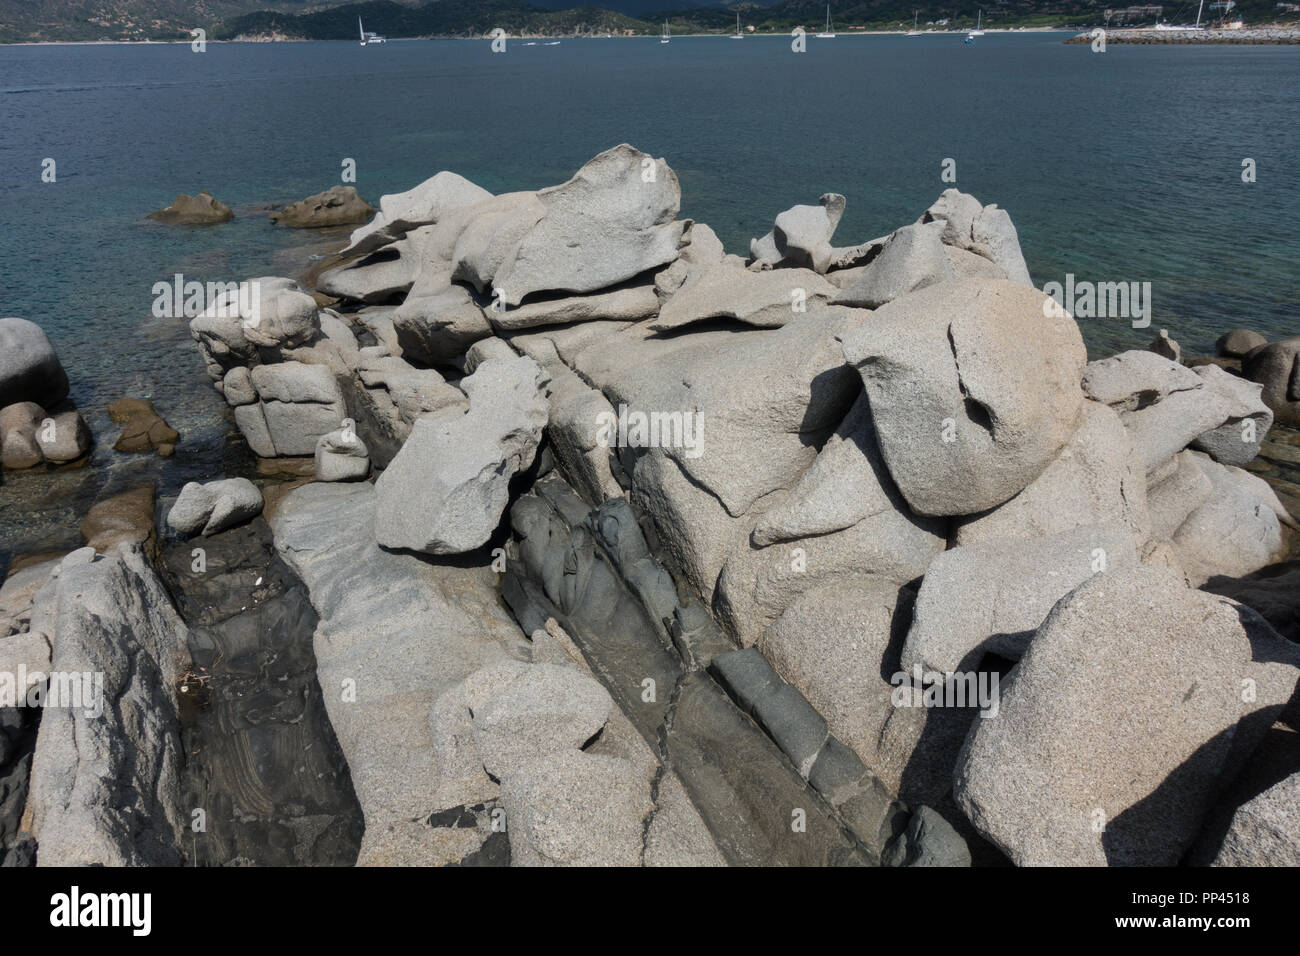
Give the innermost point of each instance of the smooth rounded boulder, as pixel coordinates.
(974, 389)
(29, 368)
(214, 506)
(1277, 367)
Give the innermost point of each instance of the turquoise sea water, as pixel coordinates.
(1121, 166)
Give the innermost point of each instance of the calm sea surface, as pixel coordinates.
(1122, 166)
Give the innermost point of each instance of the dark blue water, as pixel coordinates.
(1122, 166)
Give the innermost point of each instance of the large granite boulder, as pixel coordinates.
(913, 258)
(576, 809)
(847, 481)
(730, 291)
(801, 236)
(613, 220)
(396, 632)
(106, 776)
(1277, 368)
(438, 321)
(760, 402)
(1137, 700)
(1248, 418)
(1238, 343)
(399, 213)
(445, 491)
(1265, 830)
(627, 304)
(1235, 531)
(544, 709)
(973, 389)
(985, 230)
(990, 598)
(1167, 406)
(29, 369)
(1097, 479)
(379, 276)
(281, 314)
(701, 250)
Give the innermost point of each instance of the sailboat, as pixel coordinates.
(738, 35)
(368, 38)
(664, 38)
(977, 32)
(1199, 10)
(828, 33)
(914, 32)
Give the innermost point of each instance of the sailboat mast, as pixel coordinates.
(1198, 14)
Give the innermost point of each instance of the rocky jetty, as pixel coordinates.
(1263, 35)
(622, 550)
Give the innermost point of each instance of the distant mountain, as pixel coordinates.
(457, 18)
(124, 19)
(27, 20)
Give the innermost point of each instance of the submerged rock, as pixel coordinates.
(143, 429)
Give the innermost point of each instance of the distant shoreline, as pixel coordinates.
(514, 37)
(1135, 36)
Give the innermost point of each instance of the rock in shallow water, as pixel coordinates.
(214, 506)
(29, 368)
(198, 210)
(336, 206)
